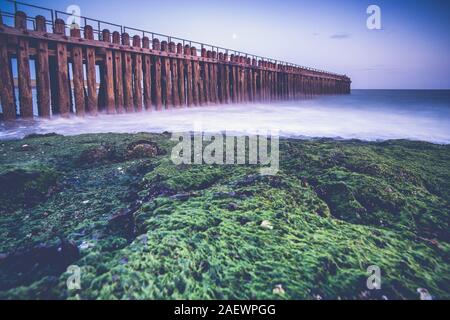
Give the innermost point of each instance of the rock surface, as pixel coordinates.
(194, 232)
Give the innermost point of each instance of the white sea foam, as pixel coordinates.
(366, 115)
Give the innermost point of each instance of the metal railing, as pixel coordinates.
(98, 26)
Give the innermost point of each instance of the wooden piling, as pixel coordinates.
(189, 77)
(181, 76)
(23, 69)
(118, 74)
(195, 77)
(156, 78)
(42, 71)
(127, 71)
(137, 75)
(107, 76)
(62, 76)
(166, 77)
(6, 82)
(91, 77)
(78, 74)
(226, 78)
(147, 79)
(174, 70)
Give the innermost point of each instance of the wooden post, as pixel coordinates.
(174, 70)
(137, 68)
(249, 80)
(189, 77)
(208, 72)
(62, 71)
(118, 74)
(205, 75)
(181, 76)
(221, 78)
(23, 69)
(196, 77)
(214, 77)
(92, 102)
(234, 80)
(107, 76)
(166, 77)
(226, 78)
(156, 79)
(6, 82)
(42, 71)
(78, 74)
(147, 67)
(127, 72)
(254, 80)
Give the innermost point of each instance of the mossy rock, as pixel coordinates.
(25, 185)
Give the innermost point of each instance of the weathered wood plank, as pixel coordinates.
(189, 77)
(108, 76)
(226, 78)
(78, 74)
(147, 79)
(23, 70)
(118, 75)
(6, 82)
(127, 72)
(91, 77)
(195, 78)
(62, 75)
(137, 75)
(206, 79)
(174, 70)
(156, 78)
(42, 72)
(181, 76)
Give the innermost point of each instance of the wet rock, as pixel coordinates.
(142, 149)
(25, 186)
(39, 135)
(223, 195)
(23, 267)
(26, 147)
(123, 223)
(183, 196)
(97, 154)
(232, 206)
(86, 245)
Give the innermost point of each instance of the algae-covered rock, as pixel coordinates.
(149, 229)
(25, 184)
(142, 149)
(97, 154)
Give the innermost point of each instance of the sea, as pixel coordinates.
(372, 115)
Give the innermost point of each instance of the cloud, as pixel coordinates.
(341, 35)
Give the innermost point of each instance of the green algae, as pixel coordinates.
(194, 231)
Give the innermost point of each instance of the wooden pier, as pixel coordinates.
(136, 72)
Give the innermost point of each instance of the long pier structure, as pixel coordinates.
(103, 67)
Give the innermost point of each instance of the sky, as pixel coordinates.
(410, 51)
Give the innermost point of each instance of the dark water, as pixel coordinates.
(365, 114)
